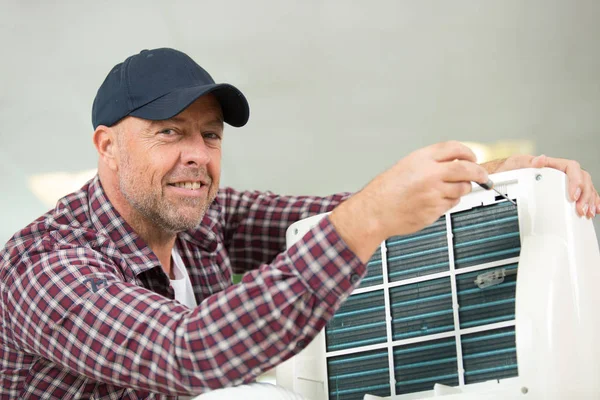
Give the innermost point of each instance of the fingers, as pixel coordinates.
(576, 180)
(454, 191)
(581, 188)
(450, 204)
(589, 197)
(450, 151)
(463, 171)
(569, 167)
(457, 176)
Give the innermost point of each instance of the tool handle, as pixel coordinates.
(489, 185)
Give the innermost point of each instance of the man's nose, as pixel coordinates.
(195, 151)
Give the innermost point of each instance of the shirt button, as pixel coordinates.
(300, 344)
(354, 278)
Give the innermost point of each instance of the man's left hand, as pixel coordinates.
(581, 187)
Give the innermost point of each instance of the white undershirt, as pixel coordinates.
(182, 284)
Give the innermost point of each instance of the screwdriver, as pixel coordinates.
(489, 185)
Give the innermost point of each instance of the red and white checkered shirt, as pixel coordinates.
(87, 311)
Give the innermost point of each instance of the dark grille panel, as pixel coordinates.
(489, 305)
(354, 375)
(374, 271)
(480, 235)
(421, 365)
(359, 322)
(490, 355)
(422, 253)
(422, 308)
(485, 234)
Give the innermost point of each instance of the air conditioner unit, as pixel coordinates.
(492, 301)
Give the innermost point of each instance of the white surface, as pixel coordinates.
(182, 285)
(255, 391)
(557, 322)
(338, 90)
(304, 373)
(509, 389)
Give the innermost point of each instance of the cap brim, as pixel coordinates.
(233, 103)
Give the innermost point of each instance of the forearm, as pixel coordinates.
(508, 164)
(356, 225)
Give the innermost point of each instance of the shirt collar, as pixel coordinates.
(107, 221)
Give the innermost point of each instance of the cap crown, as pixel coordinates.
(143, 78)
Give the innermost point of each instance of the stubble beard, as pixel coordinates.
(159, 211)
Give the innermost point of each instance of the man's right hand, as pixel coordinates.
(408, 197)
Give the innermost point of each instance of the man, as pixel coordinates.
(124, 289)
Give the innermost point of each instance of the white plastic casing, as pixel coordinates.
(557, 304)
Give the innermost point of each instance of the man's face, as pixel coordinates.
(169, 170)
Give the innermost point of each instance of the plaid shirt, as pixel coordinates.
(87, 311)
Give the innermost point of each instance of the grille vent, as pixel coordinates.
(359, 322)
(422, 253)
(351, 376)
(419, 366)
(423, 326)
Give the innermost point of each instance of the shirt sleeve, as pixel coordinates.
(255, 223)
(72, 307)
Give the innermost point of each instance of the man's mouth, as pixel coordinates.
(188, 185)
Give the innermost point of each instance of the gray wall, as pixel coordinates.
(339, 90)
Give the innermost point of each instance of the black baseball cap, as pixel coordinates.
(158, 84)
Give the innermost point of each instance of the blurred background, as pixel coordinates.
(338, 90)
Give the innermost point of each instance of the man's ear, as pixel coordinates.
(105, 140)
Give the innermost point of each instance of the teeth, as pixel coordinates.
(188, 185)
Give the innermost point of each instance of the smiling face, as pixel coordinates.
(168, 171)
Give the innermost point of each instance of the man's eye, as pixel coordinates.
(167, 132)
(211, 135)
